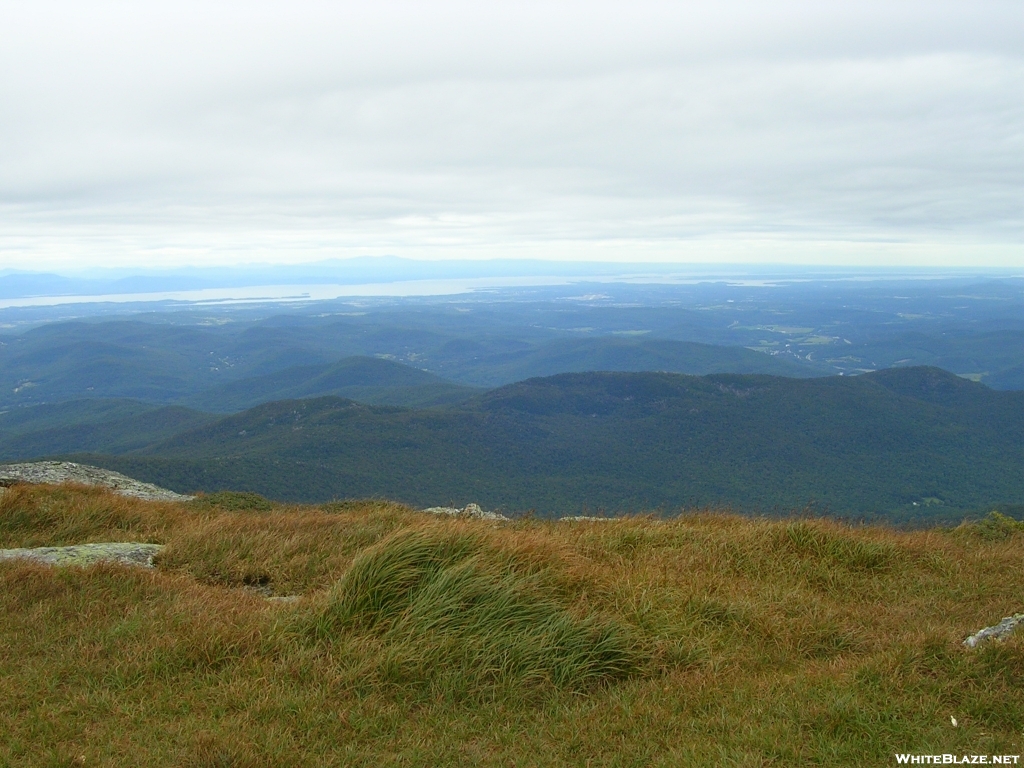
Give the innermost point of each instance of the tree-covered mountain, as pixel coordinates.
(994, 357)
(913, 442)
(624, 353)
(366, 379)
(107, 426)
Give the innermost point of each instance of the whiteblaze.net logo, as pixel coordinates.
(904, 759)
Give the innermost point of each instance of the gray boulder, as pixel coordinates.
(56, 472)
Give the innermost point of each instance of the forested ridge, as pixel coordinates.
(900, 444)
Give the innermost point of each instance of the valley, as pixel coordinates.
(883, 399)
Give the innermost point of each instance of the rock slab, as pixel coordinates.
(1000, 631)
(56, 472)
(470, 510)
(127, 553)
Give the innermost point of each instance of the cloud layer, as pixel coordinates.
(242, 132)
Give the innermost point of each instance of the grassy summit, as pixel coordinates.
(705, 640)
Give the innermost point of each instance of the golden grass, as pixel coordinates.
(705, 640)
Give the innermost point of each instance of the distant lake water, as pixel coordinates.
(324, 292)
(257, 294)
(289, 293)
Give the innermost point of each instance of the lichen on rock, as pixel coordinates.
(56, 472)
(470, 510)
(1000, 631)
(127, 553)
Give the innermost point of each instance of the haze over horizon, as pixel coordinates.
(236, 134)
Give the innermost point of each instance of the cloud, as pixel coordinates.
(234, 132)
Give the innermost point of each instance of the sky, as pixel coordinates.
(218, 133)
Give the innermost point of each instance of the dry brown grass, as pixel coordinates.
(733, 641)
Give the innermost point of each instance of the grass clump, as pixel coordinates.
(36, 516)
(836, 550)
(235, 501)
(459, 615)
(993, 527)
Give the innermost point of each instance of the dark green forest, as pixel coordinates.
(911, 444)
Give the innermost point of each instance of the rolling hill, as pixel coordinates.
(902, 443)
(109, 426)
(366, 379)
(224, 368)
(623, 353)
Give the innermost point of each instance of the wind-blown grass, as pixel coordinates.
(459, 613)
(705, 640)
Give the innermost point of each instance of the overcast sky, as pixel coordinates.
(145, 134)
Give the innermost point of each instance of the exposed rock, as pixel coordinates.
(56, 472)
(1000, 631)
(267, 593)
(470, 510)
(128, 553)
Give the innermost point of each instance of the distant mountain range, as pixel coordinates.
(229, 369)
(912, 443)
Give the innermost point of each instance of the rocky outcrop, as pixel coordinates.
(126, 553)
(1000, 631)
(470, 510)
(56, 472)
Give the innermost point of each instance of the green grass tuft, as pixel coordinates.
(459, 615)
(236, 501)
(809, 540)
(994, 527)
